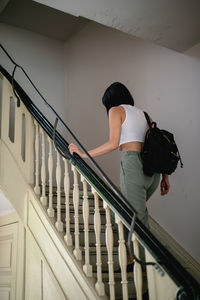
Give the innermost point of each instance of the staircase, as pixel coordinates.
(92, 245)
(77, 225)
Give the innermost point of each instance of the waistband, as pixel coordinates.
(131, 153)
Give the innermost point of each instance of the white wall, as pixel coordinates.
(44, 61)
(164, 83)
(42, 58)
(5, 205)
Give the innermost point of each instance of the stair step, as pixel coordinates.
(71, 207)
(90, 201)
(63, 192)
(81, 221)
(104, 258)
(91, 214)
(103, 249)
(118, 286)
(92, 237)
(131, 285)
(90, 195)
(91, 227)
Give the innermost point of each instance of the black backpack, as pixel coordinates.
(160, 153)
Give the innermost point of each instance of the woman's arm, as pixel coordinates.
(115, 121)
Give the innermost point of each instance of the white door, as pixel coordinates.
(8, 258)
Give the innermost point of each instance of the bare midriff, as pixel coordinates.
(132, 146)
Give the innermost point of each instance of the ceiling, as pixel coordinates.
(41, 19)
(174, 24)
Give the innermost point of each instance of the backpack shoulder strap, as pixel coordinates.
(147, 118)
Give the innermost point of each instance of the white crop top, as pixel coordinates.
(134, 127)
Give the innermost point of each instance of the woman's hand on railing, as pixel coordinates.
(75, 149)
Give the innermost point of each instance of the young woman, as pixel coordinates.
(127, 128)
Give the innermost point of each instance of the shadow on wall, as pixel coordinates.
(194, 52)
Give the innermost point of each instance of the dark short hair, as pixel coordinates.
(115, 95)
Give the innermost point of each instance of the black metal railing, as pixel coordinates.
(188, 286)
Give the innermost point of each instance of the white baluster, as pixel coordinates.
(59, 223)
(77, 251)
(97, 226)
(43, 198)
(37, 152)
(30, 148)
(137, 269)
(50, 210)
(122, 258)
(67, 237)
(87, 268)
(109, 245)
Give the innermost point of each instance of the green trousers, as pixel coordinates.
(135, 185)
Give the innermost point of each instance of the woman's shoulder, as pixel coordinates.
(131, 108)
(125, 107)
(116, 109)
